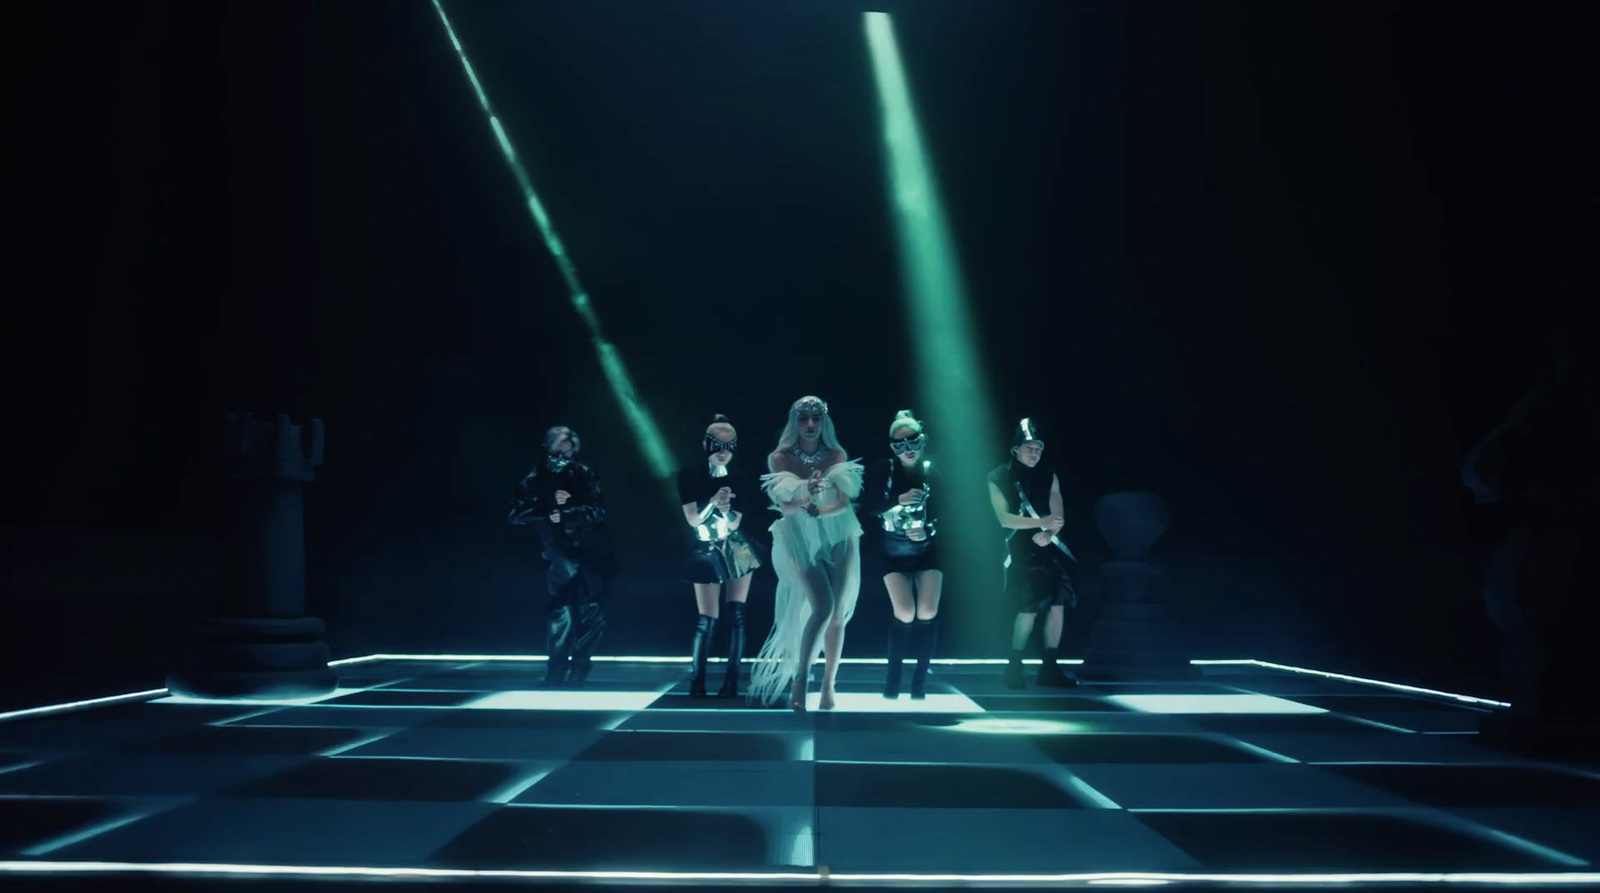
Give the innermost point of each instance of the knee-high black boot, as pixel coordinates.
(924, 636)
(704, 628)
(899, 640)
(730, 681)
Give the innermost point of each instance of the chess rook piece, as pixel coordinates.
(1135, 637)
(261, 645)
(1537, 472)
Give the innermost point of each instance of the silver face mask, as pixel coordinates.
(907, 445)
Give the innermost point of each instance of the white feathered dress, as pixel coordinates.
(800, 541)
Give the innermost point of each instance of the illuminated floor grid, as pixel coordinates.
(464, 766)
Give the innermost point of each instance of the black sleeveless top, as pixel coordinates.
(1035, 484)
(695, 484)
(888, 479)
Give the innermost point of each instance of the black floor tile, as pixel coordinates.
(344, 778)
(361, 680)
(1047, 704)
(521, 719)
(147, 713)
(344, 717)
(388, 697)
(827, 721)
(1153, 688)
(13, 759)
(528, 837)
(936, 787)
(1457, 786)
(304, 740)
(28, 822)
(874, 686)
(1362, 705)
(1110, 748)
(1289, 685)
(680, 700)
(477, 682)
(683, 747)
(533, 670)
(1331, 842)
(1315, 723)
(526, 682)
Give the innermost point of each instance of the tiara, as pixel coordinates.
(816, 403)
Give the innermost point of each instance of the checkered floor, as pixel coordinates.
(468, 765)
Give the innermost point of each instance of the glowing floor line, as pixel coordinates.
(798, 878)
(1412, 689)
(536, 658)
(674, 659)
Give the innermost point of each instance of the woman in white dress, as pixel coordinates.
(816, 552)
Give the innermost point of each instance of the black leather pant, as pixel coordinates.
(577, 616)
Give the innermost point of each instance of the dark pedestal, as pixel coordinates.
(261, 645)
(1539, 592)
(1135, 637)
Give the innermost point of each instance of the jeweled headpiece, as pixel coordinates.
(816, 404)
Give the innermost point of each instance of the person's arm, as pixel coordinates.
(588, 507)
(736, 485)
(845, 497)
(775, 465)
(525, 506)
(1006, 518)
(691, 514)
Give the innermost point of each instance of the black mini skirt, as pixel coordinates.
(906, 556)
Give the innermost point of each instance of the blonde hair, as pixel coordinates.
(791, 431)
(904, 419)
(721, 426)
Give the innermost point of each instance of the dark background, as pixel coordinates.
(1282, 263)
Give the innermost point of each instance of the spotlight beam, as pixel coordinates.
(616, 372)
(951, 377)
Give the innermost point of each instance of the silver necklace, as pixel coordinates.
(812, 460)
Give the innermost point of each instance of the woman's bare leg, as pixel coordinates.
(706, 597)
(930, 585)
(901, 599)
(739, 590)
(840, 572)
(815, 585)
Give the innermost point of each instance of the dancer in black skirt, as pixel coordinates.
(899, 493)
(1036, 578)
(720, 560)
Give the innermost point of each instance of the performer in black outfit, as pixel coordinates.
(899, 492)
(1027, 502)
(561, 499)
(720, 561)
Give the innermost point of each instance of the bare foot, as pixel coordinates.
(797, 696)
(826, 701)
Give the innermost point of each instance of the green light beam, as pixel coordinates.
(616, 372)
(950, 370)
